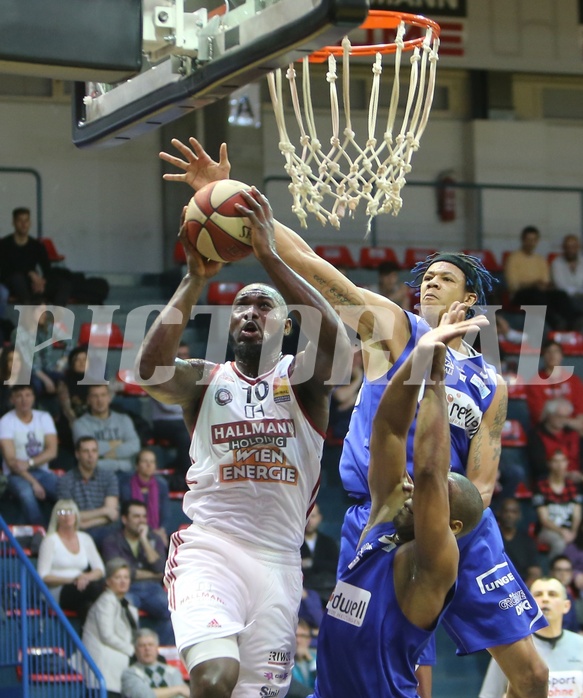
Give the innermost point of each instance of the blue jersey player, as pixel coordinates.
(389, 599)
(477, 409)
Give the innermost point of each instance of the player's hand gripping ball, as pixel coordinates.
(213, 224)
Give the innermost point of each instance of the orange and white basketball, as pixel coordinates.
(214, 225)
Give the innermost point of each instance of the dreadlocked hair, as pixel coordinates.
(478, 278)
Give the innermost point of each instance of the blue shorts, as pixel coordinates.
(492, 605)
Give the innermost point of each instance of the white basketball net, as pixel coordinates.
(348, 172)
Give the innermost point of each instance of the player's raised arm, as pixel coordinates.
(344, 296)
(333, 346)
(160, 346)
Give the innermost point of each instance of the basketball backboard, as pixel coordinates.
(196, 53)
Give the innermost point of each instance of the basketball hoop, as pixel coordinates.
(349, 172)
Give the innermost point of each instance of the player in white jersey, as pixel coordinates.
(386, 333)
(234, 576)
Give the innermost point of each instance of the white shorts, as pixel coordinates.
(218, 587)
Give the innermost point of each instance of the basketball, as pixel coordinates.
(214, 225)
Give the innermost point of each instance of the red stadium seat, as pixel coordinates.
(516, 388)
(223, 292)
(571, 342)
(551, 256)
(416, 254)
(523, 491)
(49, 245)
(172, 657)
(513, 434)
(128, 379)
(487, 258)
(338, 255)
(373, 257)
(179, 255)
(102, 335)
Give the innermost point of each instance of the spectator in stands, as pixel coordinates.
(342, 403)
(574, 551)
(561, 568)
(68, 561)
(148, 677)
(112, 624)
(519, 546)
(116, 436)
(391, 287)
(14, 371)
(28, 440)
(35, 328)
(145, 486)
(25, 268)
(94, 490)
(304, 669)
(319, 557)
(145, 553)
(561, 649)
(566, 387)
(551, 434)
(528, 281)
(168, 424)
(567, 271)
(558, 506)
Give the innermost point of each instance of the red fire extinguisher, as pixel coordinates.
(446, 196)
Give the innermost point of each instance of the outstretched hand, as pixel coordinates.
(199, 168)
(453, 325)
(259, 213)
(196, 263)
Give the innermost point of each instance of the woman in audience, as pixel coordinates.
(13, 372)
(145, 486)
(68, 561)
(111, 626)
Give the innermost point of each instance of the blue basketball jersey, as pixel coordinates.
(476, 619)
(366, 646)
(355, 451)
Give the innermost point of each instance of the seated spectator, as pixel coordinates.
(168, 425)
(518, 545)
(145, 553)
(145, 486)
(311, 609)
(390, 286)
(553, 434)
(36, 327)
(304, 670)
(115, 433)
(565, 387)
(528, 281)
(13, 371)
(28, 440)
(149, 678)
(562, 569)
(567, 271)
(111, 627)
(68, 561)
(95, 491)
(25, 268)
(558, 506)
(319, 557)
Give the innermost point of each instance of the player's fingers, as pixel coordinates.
(184, 149)
(173, 160)
(173, 177)
(223, 155)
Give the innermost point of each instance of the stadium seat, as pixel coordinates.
(513, 434)
(373, 257)
(49, 246)
(179, 255)
(571, 342)
(551, 256)
(49, 665)
(338, 255)
(172, 657)
(223, 292)
(523, 491)
(127, 378)
(416, 254)
(516, 388)
(102, 335)
(487, 258)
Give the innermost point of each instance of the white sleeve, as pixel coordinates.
(47, 423)
(495, 682)
(5, 431)
(46, 554)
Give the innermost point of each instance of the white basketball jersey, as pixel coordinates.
(255, 459)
